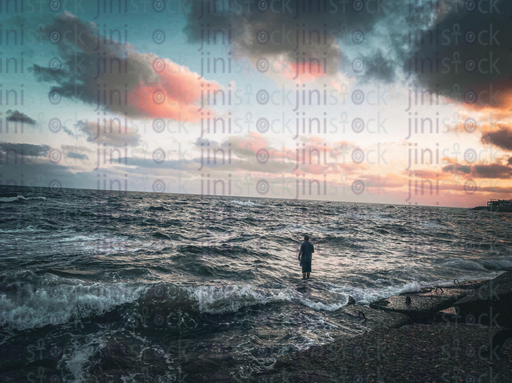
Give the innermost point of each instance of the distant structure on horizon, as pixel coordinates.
(500, 205)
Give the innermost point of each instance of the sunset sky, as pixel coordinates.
(400, 103)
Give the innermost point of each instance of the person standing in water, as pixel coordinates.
(305, 256)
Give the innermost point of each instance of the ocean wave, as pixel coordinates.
(434, 224)
(210, 248)
(497, 264)
(366, 295)
(411, 287)
(460, 263)
(19, 198)
(231, 298)
(160, 235)
(157, 208)
(55, 301)
(28, 229)
(80, 238)
(325, 306)
(379, 217)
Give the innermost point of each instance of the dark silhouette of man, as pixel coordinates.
(305, 256)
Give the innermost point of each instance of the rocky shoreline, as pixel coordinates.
(457, 333)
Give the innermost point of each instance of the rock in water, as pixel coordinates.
(501, 337)
(490, 304)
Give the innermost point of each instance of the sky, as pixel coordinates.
(382, 101)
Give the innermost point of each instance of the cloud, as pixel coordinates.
(24, 150)
(501, 138)
(299, 33)
(132, 83)
(422, 173)
(480, 171)
(157, 164)
(201, 142)
(377, 66)
(15, 116)
(448, 48)
(249, 144)
(111, 134)
(215, 163)
(496, 189)
(491, 171)
(78, 156)
(384, 181)
(254, 152)
(68, 131)
(469, 53)
(76, 148)
(456, 168)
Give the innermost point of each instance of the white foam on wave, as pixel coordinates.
(378, 217)
(77, 362)
(8, 199)
(432, 225)
(325, 306)
(411, 287)
(231, 298)
(19, 198)
(367, 295)
(81, 238)
(61, 300)
(23, 306)
(245, 203)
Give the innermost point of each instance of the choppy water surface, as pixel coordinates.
(154, 286)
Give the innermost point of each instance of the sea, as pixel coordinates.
(146, 287)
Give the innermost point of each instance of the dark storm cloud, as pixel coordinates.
(75, 71)
(492, 171)
(438, 37)
(496, 170)
(15, 116)
(113, 76)
(501, 138)
(25, 150)
(476, 41)
(280, 28)
(376, 66)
